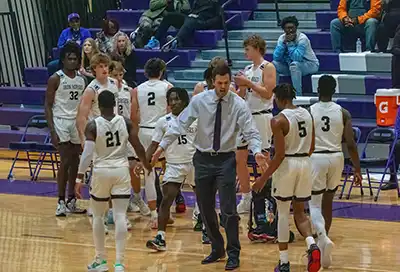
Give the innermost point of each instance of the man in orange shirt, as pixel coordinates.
(356, 17)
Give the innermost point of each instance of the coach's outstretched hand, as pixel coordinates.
(156, 155)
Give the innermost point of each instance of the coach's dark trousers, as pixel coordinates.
(214, 173)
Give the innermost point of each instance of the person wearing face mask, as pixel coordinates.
(74, 33)
(293, 56)
(123, 52)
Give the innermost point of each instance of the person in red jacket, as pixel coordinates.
(357, 18)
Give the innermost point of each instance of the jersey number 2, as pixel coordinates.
(302, 129)
(182, 140)
(120, 109)
(150, 99)
(73, 95)
(327, 123)
(112, 139)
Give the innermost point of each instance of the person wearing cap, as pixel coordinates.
(74, 33)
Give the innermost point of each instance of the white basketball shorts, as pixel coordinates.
(146, 136)
(263, 124)
(179, 173)
(292, 180)
(326, 171)
(110, 183)
(66, 130)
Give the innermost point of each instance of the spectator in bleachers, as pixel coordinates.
(105, 38)
(74, 33)
(294, 55)
(122, 51)
(89, 49)
(151, 18)
(205, 14)
(390, 21)
(356, 18)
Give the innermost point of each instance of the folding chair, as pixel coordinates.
(382, 136)
(348, 167)
(29, 148)
(47, 156)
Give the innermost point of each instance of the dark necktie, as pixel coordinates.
(217, 127)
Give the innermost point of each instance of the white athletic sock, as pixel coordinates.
(98, 209)
(149, 185)
(310, 241)
(283, 221)
(120, 206)
(162, 233)
(196, 209)
(284, 256)
(316, 215)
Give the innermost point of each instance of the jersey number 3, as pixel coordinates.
(112, 139)
(151, 97)
(327, 123)
(302, 129)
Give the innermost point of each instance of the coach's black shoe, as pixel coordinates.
(204, 238)
(158, 243)
(282, 267)
(213, 257)
(232, 264)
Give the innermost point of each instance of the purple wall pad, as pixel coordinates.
(341, 209)
(372, 83)
(22, 95)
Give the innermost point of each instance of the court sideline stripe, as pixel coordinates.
(175, 252)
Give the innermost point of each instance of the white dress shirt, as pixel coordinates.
(235, 115)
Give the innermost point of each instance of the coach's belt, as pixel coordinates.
(147, 127)
(297, 155)
(214, 154)
(326, 152)
(262, 112)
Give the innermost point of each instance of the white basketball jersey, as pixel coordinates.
(328, 123)
(181, 150)
(68, 95)
(111, 143)
(124, 101)
(254, 101)
(299, 138)
(152, 99)
(98, 88)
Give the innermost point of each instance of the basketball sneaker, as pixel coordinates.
(132, 207)
(73, 208)
(158, 243)
(326, 246)
(180, 204)
(119, 268)
(259, 234)
(199, 224)
(98, 266)
(61, 208)
(314, 258)
(282, 267)
(143, 208)
(204, 237)
(244, 205)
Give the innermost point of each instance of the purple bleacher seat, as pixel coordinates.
(359, 107)
(8, 136)
(320, 40)
(372, 83)
(17, 116)
(184, 59)
(238, 21)
(324, 19)
(22, 95)
(36, 76)
(328, 61)
(334, 4)
(135, 4)
(126, 18)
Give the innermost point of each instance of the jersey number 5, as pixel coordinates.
(302, 129)
(151, 96)
(73, 95)
(327, 123)
(112, 139)
(182, 140)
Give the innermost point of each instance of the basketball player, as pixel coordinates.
(179, 156)
(107, 138)
(124, 103)
(332, 124)
(64, 89)
(150, 104)
(255, 86)
(290, 169)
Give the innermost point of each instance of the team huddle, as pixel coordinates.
(125, 131)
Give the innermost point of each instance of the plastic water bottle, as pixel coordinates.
(358, 46)
(22, 106)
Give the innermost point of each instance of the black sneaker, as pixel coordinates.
(282, 267)
(157, 243)
(199, 224)
(259, 234)
(204, 238)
